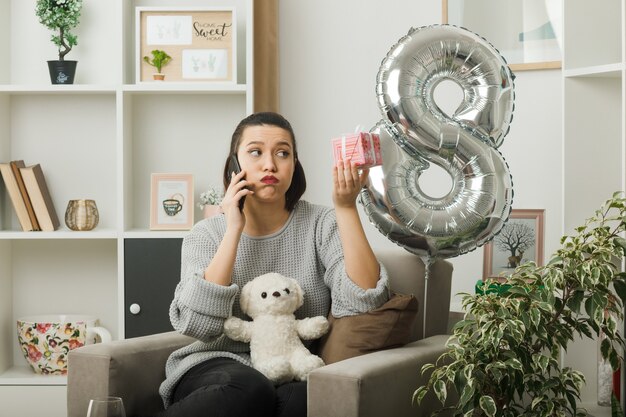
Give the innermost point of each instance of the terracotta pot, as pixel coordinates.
(158, 77)
(210, 211)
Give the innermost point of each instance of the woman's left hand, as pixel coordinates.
(347, 183)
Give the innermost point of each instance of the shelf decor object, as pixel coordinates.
(171, 202)
(61, 16)
(519, 242)
(45, 340)
(159, 59)
(40, 198)
(526, 32)
(201, 42)
(14, 184)
(81, 215)
(210, 202)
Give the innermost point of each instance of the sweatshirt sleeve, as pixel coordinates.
(199, 307)
(347, 297)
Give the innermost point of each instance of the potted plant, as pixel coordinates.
(209, 202)
(61, 16)
(503, 357)
(159, 59)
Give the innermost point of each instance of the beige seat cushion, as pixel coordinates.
(385, 327)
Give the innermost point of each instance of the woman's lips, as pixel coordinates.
(269, 180)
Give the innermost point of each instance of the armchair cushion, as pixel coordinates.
(385, 327)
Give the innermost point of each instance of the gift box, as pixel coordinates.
(363, 148)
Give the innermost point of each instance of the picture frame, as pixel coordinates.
(171, 201)
(525, 230)
(526, 32)
(201, 41)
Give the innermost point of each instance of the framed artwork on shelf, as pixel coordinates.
(526, 32)
(519, 241)
(202, 43)
(171, 202)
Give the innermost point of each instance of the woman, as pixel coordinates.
(325, 250)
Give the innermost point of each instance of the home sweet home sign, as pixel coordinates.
(201, 42)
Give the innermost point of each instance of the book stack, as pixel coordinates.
(27, 189)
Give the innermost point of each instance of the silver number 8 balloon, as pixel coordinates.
(415, 133)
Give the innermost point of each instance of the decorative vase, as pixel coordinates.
(62, 72)
(605, 378)
(210, 211)
(81, 215)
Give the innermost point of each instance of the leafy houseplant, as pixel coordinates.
(502, 359)
(61, 16)
(159, 59)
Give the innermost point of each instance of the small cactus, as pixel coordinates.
(159, 58)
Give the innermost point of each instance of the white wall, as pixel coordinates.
(330, 52)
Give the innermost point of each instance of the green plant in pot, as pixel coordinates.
(159, 59)
(503, 357)
(210, 201)
(61, 16)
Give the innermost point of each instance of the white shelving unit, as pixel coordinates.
(100, 138)
(594, 129)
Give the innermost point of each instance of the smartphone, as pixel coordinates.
(236, 168)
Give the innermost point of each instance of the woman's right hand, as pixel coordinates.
(230, 203)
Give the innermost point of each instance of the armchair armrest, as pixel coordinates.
(132, 369)
(377, 384)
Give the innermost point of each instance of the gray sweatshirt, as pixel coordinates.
(306, 248)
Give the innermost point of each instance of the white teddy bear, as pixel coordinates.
(274, 334)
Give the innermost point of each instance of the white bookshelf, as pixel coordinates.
(61, 234)
(594, 132)
(100, 138)
(596, 71)
(23, 375)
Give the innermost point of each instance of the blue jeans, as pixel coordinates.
(223, 387)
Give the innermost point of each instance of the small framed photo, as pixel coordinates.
(202, 43)
(171, 202)
(519, 241)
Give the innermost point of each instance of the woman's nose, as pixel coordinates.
(269, 164)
